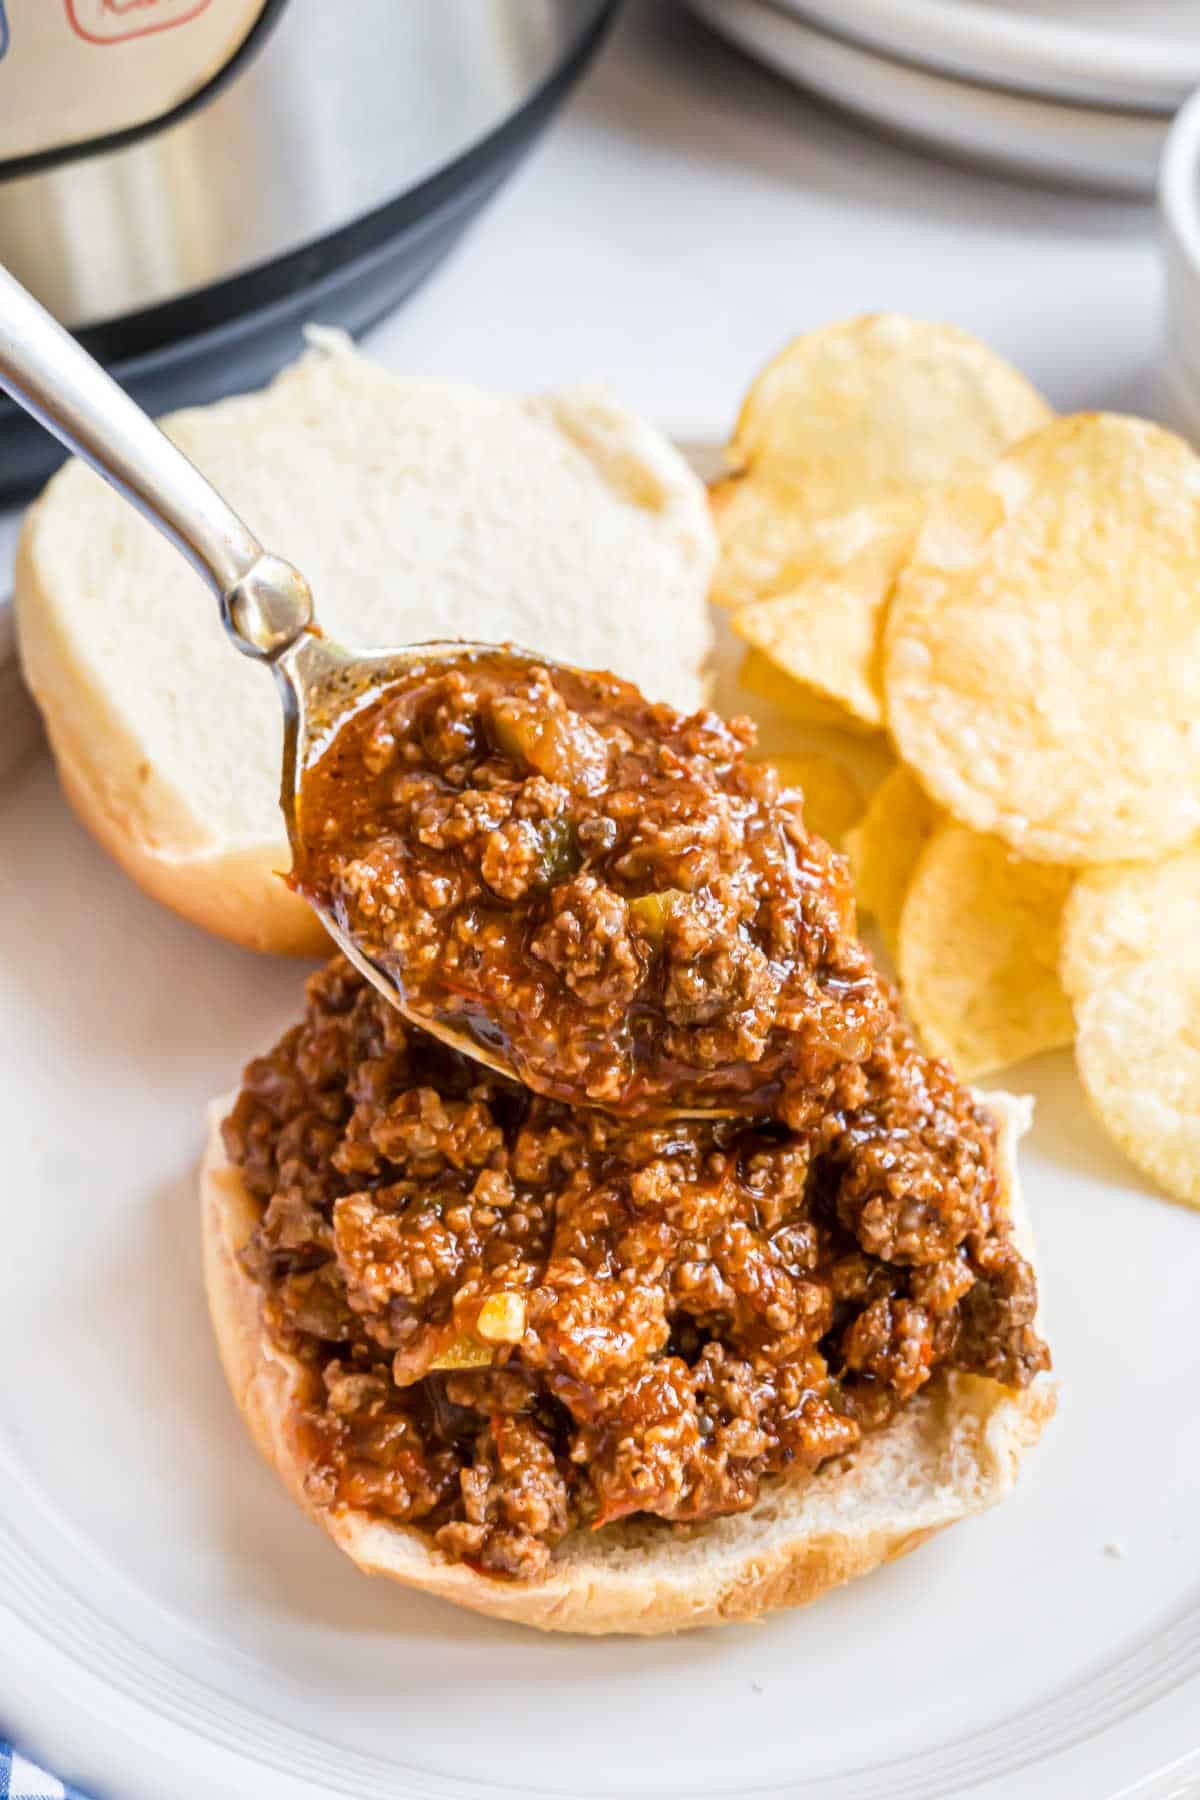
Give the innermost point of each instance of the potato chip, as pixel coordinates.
(1042, 656)
(1133, 913)
(760, 677)
(884, 849)
(824, 629)
(1139, 1060)
(833, 800)
(850, 417)
(768, 543)
(1131, 964)
(978, 956)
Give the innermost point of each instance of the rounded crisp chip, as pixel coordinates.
(979, 946)
(1134, 913)
(824, 628)
(759, 676)
(884, 849)
(833, 800)
(1131, 964)
(1042, 647)
(853, 416)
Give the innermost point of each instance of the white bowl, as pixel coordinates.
(1179, 217)
(1143, 54)
(1116, 152)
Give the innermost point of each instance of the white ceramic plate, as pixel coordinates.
(171, 1626)
(1088, 146)
(1141, 54)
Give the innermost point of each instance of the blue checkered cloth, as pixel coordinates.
(21, 1780)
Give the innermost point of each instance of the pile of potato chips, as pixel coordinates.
(914, 544)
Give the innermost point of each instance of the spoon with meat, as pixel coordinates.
(568, 883)
(603, 893)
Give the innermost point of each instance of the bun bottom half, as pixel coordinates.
(954, 1450)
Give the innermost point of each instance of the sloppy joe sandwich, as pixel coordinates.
(724, 1297)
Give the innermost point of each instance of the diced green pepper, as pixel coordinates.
(650, 913)
(560, 851)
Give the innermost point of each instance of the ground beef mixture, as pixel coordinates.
(603, 890)
(522, 1317)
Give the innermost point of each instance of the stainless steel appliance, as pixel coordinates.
(186, 182)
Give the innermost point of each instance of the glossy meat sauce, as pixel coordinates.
(522, 1313)
(604, 890)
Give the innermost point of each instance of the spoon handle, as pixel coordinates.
(265, 603)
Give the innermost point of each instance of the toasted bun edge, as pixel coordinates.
(143, 823)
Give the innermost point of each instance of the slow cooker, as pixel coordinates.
(185, 183)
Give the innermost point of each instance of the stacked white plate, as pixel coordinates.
(1074, 91)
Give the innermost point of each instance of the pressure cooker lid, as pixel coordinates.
(301, 117)
(77, 73)
(319, 176)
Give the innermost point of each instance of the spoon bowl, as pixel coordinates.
(322, 684)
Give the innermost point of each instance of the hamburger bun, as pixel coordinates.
(953, 1450)
(417, 509)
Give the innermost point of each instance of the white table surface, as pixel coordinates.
(689, 212)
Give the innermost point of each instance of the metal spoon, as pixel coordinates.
(266, 605)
